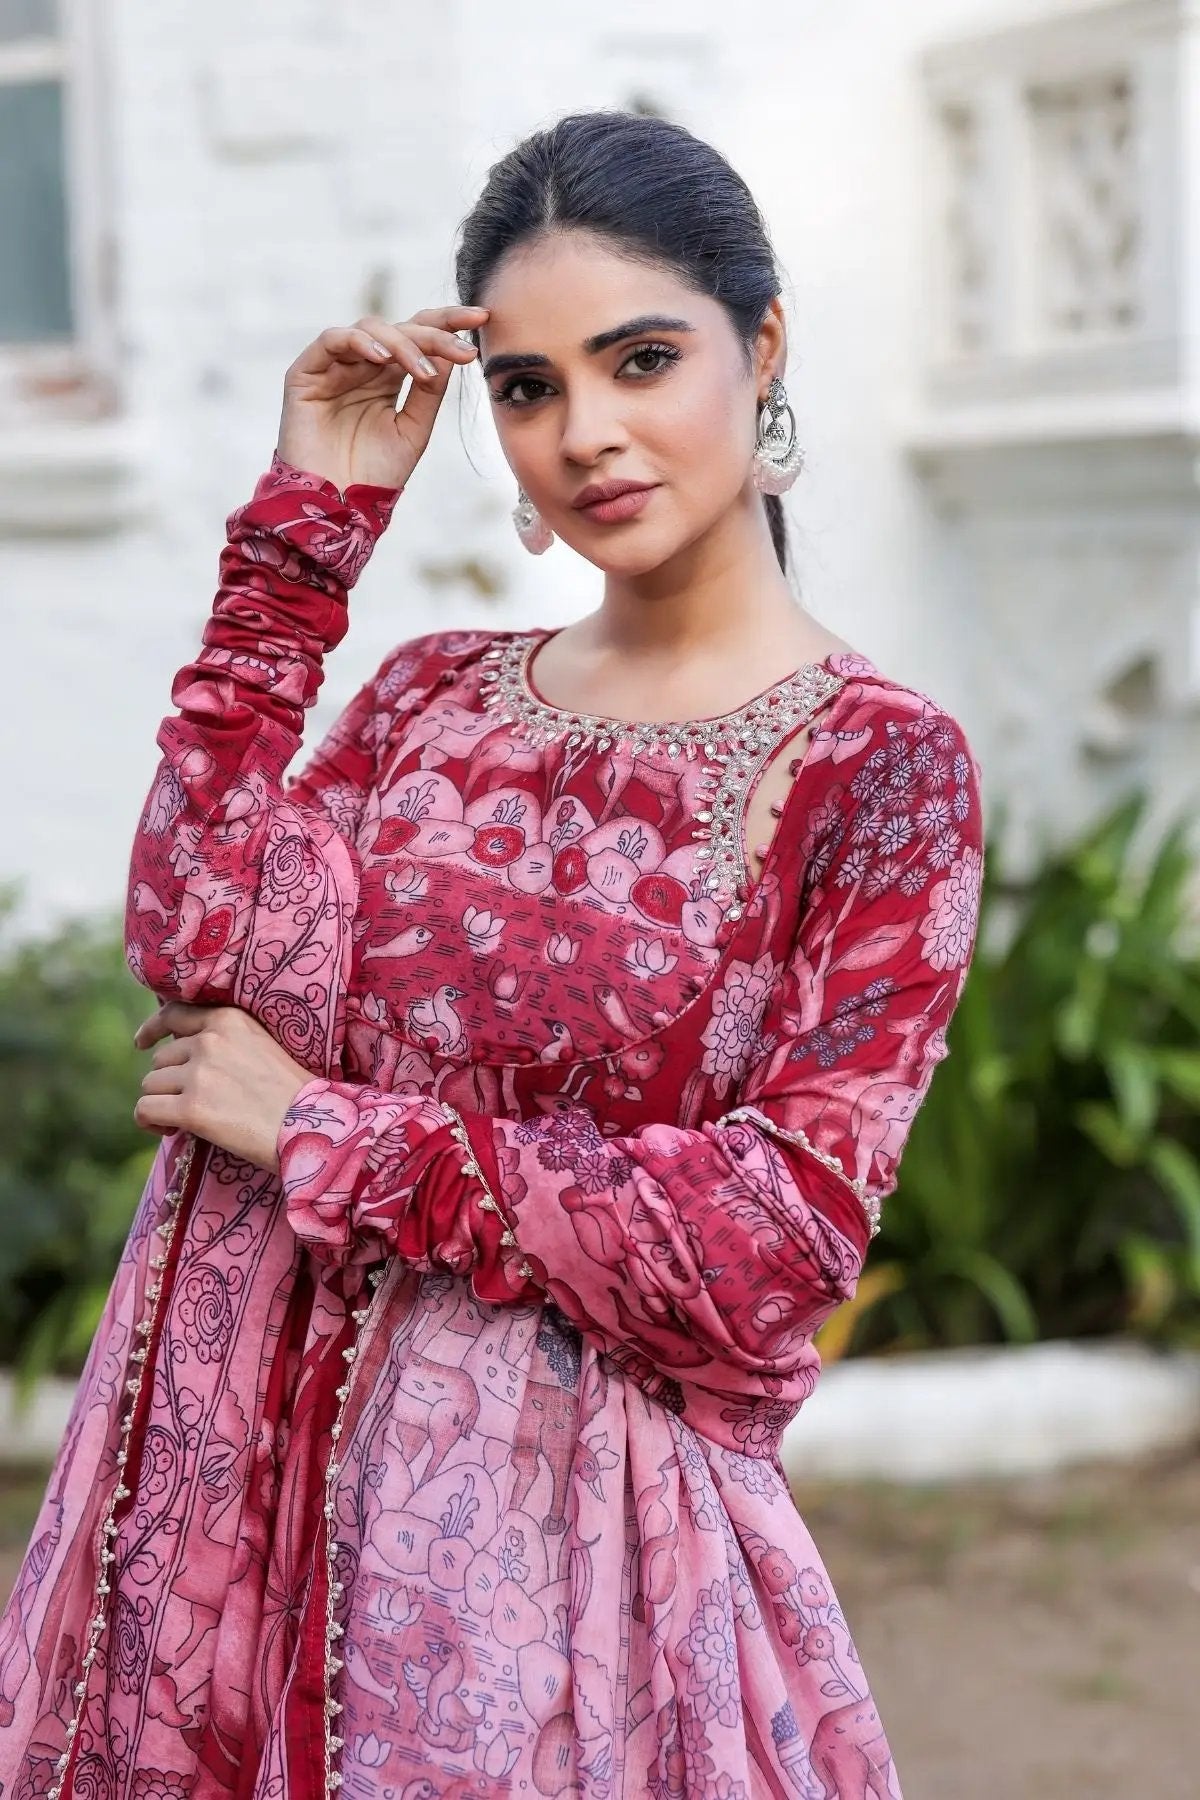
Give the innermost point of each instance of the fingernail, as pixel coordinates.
(379, 349)
(425, 366)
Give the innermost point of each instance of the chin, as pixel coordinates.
(629, 568)
(639, 556)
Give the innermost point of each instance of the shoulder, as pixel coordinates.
(892, 788)
(876, 722)
(425, 658)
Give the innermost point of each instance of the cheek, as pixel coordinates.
(529, 445)
(706, 463)
(703, 446)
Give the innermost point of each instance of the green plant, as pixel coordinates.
(72, 1161)
(1051, 1183)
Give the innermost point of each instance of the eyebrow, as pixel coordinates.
(604, 340)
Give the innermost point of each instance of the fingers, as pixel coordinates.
(159, 1108)
(175, 1018)
(384, 345)
(162, 1114)
(411, 344)
(167, 1080)
(453, 317)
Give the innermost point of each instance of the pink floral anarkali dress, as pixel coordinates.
(446, 1461)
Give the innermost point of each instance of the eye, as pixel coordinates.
(662, 354)
(505, 395)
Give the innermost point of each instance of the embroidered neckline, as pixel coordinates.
(736, 744)
(507, 683)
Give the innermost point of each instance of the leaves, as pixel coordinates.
(882, 946)
(72, 1161)
(1177, 1169)
(1051, 1181)
(834, 1337)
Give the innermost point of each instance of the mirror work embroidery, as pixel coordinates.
(736, 745)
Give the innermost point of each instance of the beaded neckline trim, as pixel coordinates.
(737, 745)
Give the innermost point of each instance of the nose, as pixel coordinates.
(591, 426)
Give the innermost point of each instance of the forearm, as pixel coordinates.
(368, 1175)
(205, 833)
(293, 552)
(704, 1250)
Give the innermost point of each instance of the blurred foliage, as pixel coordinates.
(1050, 1186)
(72, 1161)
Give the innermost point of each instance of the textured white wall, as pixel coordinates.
(272, 163)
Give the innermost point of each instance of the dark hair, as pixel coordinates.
(660, 194)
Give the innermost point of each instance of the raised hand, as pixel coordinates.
(339, 417)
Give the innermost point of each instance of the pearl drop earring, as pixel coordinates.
(778, 458)
(532, 529)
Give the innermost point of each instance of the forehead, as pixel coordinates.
(565, 287)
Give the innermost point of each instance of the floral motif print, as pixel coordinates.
(949, 927)
(205, 1314)
(709, 1652)
(731, 1037)
(470, 1418)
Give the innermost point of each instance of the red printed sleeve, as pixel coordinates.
(708, 1254)
(220, 822)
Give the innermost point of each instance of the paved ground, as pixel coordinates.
(1036, 1640)
(1028, 1641)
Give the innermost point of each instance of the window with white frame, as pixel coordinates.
(55, 242)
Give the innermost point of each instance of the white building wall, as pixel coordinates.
(284, 166)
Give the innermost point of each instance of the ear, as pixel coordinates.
(770, 346)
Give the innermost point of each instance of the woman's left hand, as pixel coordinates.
(221, 1076)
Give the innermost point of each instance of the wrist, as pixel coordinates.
(336, 531)
(504, 1271)
(375, 500)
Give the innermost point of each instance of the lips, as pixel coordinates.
(628, 505)
(609, 490)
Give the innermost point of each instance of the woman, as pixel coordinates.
(530, 1071)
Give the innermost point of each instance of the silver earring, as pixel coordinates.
(778, 458)
(532, 529)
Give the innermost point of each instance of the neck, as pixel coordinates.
(709, 598)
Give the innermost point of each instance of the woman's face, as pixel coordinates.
(670, 402)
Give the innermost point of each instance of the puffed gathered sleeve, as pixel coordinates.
(707, 1254)
(242, 881)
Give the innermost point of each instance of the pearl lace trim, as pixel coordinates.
(869, 1202)
(737, 745)
(333, 1587)
(470, 1166)
(109, 1528)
